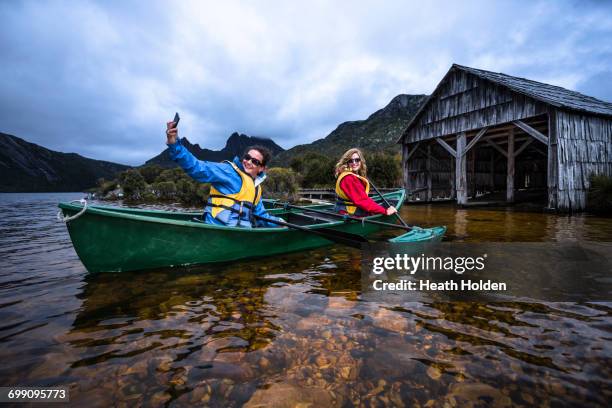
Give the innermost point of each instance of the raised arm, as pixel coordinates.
(199, 170)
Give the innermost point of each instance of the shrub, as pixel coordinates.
(599, 197)
(384, 170)
(185, 189)
(150, 172)
(297, 164)
(202, 192)
(317, 170)
(104, 187)
(174, 175)
(281, 183)
(133, 184)
(165, 189)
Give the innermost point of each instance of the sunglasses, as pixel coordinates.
(351, 161)
(253, 160)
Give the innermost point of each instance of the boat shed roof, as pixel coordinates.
(554, 95)
(550, 94)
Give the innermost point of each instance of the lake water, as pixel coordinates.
(292, 328)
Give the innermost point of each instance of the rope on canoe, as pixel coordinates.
(67, 218)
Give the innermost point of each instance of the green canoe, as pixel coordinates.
(114, 239)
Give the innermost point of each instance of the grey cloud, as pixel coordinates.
(101, 78)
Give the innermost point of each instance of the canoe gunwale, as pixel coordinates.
(110, 211)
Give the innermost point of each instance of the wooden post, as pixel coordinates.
(472, 166)
(428, 175)
(452, 178)
(552, 165)
(510, 173)
(405, 165)
(461, 170)
(492, 169)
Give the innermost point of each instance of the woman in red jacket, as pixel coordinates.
(352, 187)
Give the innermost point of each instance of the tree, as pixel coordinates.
(297, 164)
(384, 169)
(281, 183)
(317, 170)
(150, 172)
(165, 189)
(172, 175)
(133, 184)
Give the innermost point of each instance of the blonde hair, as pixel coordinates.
(342, 164)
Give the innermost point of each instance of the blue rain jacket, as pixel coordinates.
(222, 176)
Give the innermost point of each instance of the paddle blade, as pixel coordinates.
(421, 235)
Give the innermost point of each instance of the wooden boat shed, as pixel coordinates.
(484, 133)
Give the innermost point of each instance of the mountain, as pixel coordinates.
(378, 132)
(28, 167)
(235, 146)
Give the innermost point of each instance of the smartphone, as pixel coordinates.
(176, 119)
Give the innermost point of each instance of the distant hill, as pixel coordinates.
(235, 146)
(28, 167)
(378, 132)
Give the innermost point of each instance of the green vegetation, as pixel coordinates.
(105, 187)
(133, 183)
(311, 170)
(281, 183)
(315, 170)
(599, 198)
(384, 169)
(151, 172)
(380, 131)
(153, 183)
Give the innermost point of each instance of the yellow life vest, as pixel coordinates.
(343, 203)
(235, 209)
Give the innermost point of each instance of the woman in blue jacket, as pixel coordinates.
(235, 192)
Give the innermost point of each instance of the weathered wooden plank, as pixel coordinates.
(484, 106)
(496, 147)
(552, 170)
(405, 165)
(461, 170)
(472, 179)
(447, 147)
(453, 176)
(476, 138)
(428, 170)
(492, 171)
(415, 147)
(531, 131)
(510, 168)
(523, 147)
(583, 147)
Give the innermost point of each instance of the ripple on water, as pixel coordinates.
(292, 328)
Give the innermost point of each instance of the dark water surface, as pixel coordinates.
(291, 328)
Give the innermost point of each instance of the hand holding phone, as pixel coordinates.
(171, 130)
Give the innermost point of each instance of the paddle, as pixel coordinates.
(388, 205)
(345, 238)
(344, 216)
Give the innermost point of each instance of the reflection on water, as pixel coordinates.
(509, 225)
(291, 328)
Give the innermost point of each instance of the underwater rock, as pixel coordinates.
(285, 395)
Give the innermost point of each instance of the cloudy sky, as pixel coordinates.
(101, 78)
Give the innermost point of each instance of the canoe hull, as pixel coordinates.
(109, 239)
